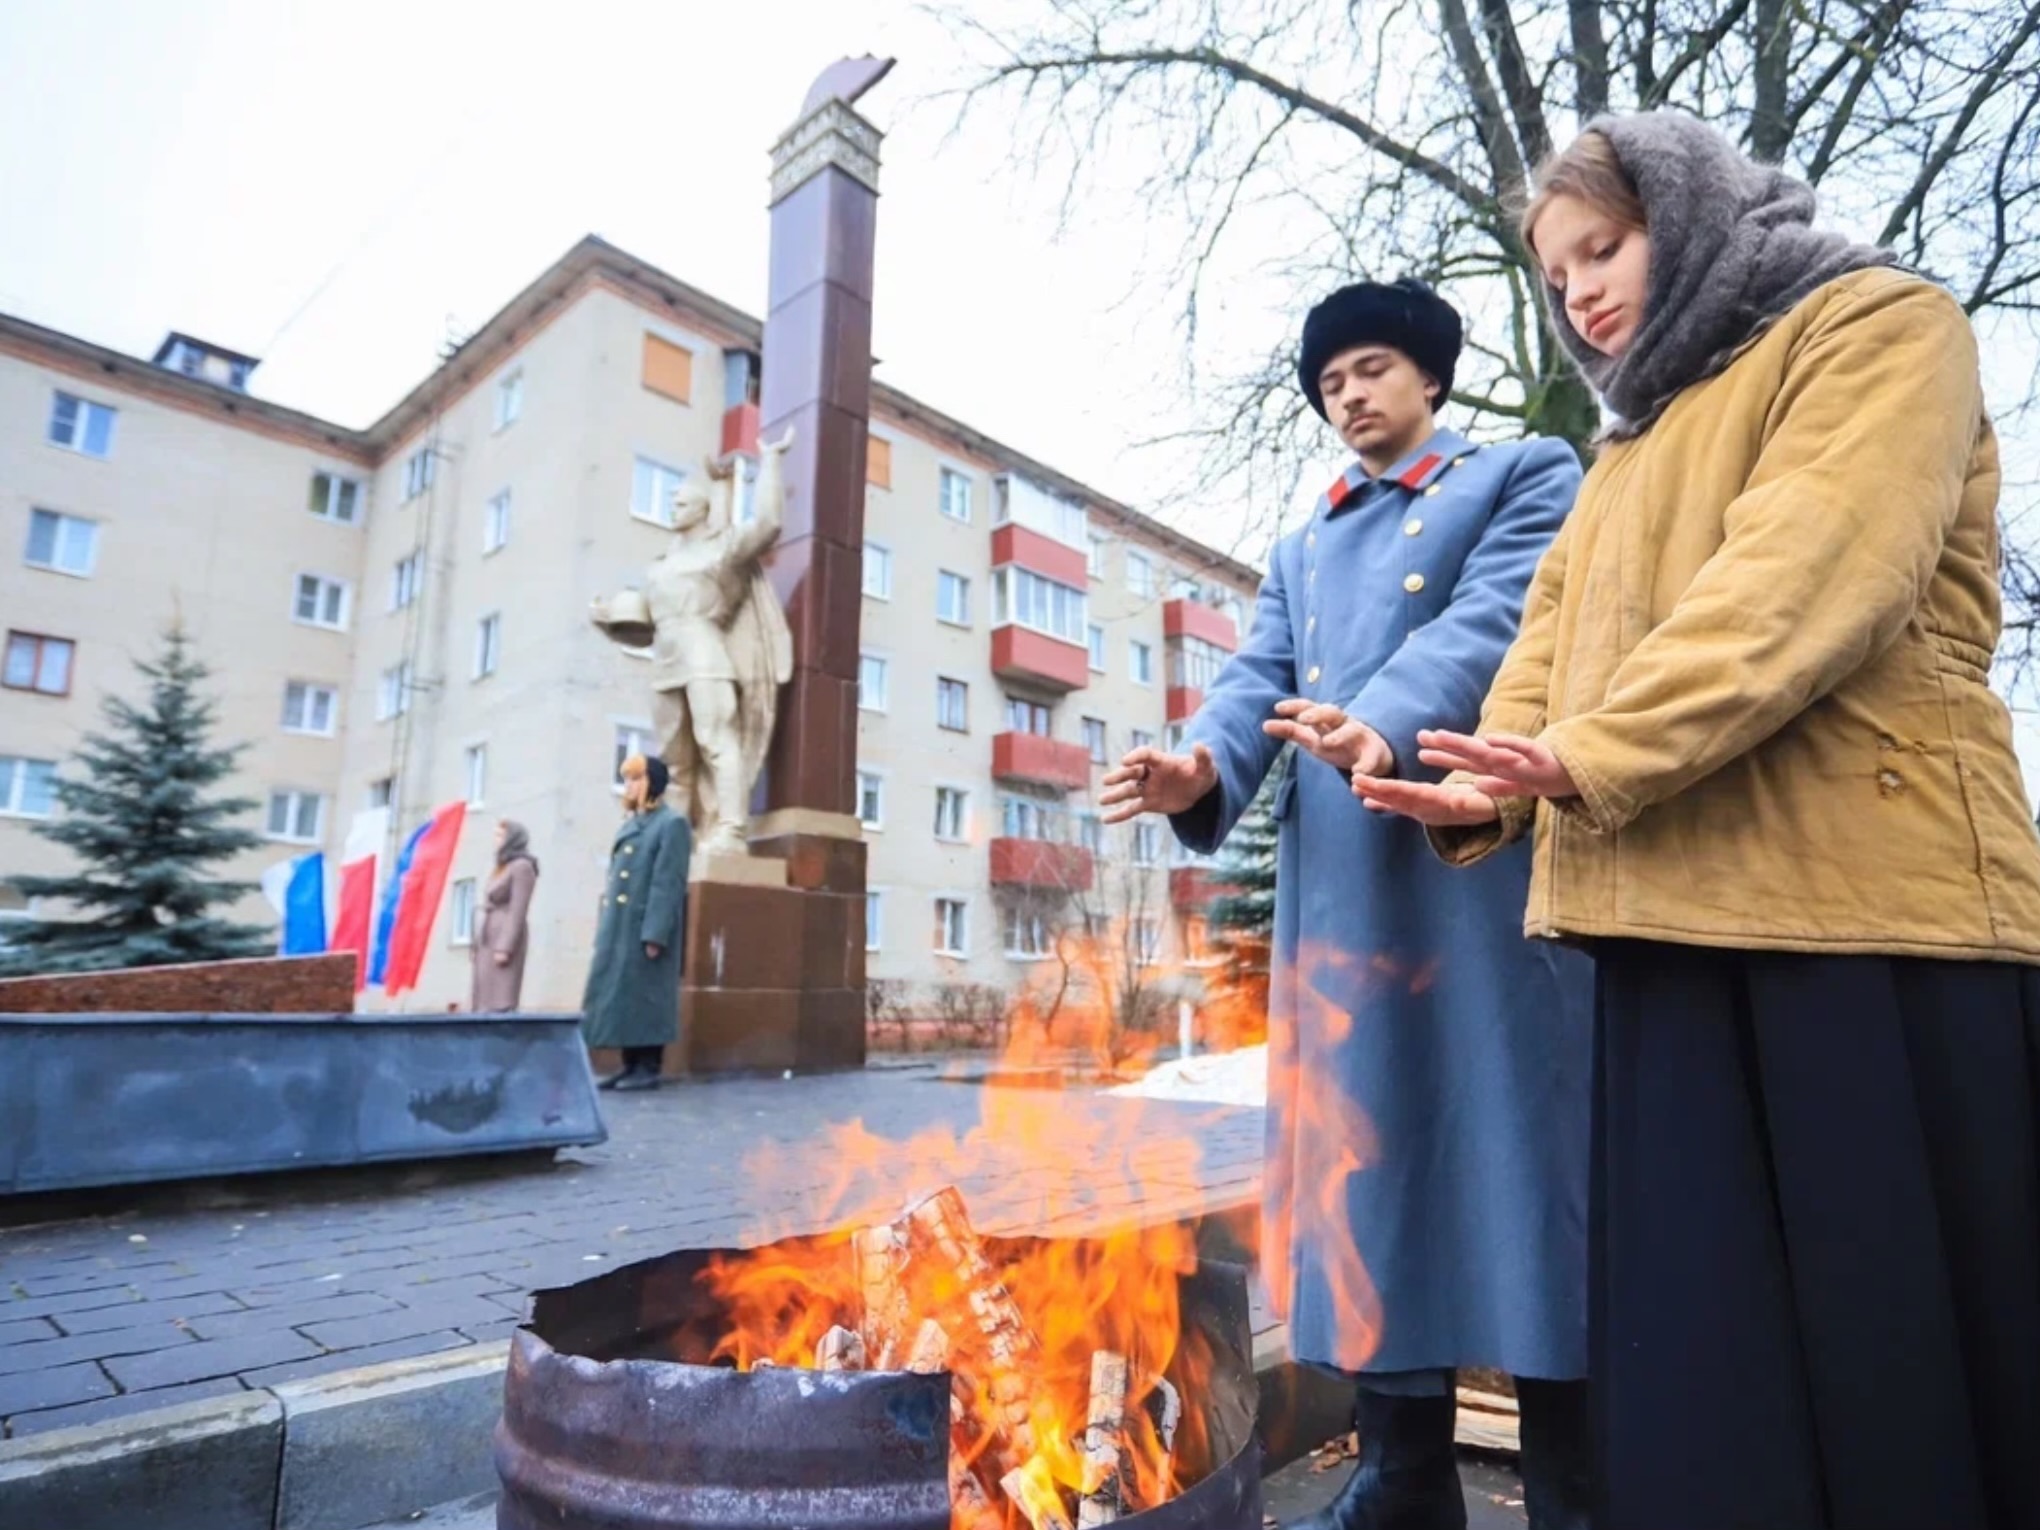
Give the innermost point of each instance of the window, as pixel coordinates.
(1027, 934)
(1196, 663)
(952, 705)
(1030, 818)
(877, 571)
(1145, 935)
(652, 486)
(870, 683)
(64, 544)
(1025, 599)
(488, 644)
(38, 663)
(334, 498)
(320, 602)
(1024, 716)
(1183, 587)
(952, 598)
(668, 369)
(1147, 843)
(1095, 638)
(871, 799)
(418, 472)
(1140, 573)
(952, 812)
(461, 927)
(81, 426)
(1094, 562)
(1094, 739)
(952, 926)
(631, 738)
(382, 792)
(1021, 502)
(1141, 658)
(1091, 832)
(406, 579)
(874, 918)
(296, 816)
(1172, 738)
(1140, 738)
(28, 788)
(309, 708)
(878, 462)
(509, 399)
(955, 495)
(477, 762)
(496, 523)
(393, 692)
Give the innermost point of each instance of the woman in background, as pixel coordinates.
(498, 949)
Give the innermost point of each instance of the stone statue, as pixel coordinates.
(720, 646)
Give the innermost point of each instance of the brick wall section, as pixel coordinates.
(277, 985)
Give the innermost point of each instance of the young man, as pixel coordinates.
(1426, 1182)
(633, 996)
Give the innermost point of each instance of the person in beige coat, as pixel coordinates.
(1747, 721)
(499, 945)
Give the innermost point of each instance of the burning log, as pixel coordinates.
(1033, 1492)
(1104, 1496)
(881, 1253)
(1165, 1407)
(931, 1349)
(840, 1350)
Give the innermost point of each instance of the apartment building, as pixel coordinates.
(397, 617)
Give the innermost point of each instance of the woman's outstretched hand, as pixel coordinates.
(1501, 764)
(1433, 804)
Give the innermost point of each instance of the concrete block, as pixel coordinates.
(201, 1466)
(351, 1453)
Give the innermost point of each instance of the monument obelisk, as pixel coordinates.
(775, 973)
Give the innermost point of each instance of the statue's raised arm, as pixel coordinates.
(756, 539)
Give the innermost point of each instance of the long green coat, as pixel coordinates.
(632, 1000)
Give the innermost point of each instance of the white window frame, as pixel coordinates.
(1094, 642)
(1011, 587)
(382, 792)
(309, 692)
(1144, 936)
(960, 796)
(326, 584)
(335, 482)
(1041, 942)
(13, 798)
(877, 571)
(488, 645)
(942, 691)
(1140, 573)
(1140, 661)
(393, 692)
(475, 765)
(946, 476)
(881, 669)
(496, 523)
(419, 472)
(955, 945)
(1090, 831)
(947, 579)
(1147, 843)
(407, 579)
(1094, 560)
(291, 833)
(76, 439)
(659, 480)
(58, 539)
(874, 919)
(871, 783)
(509, 398)
(1197, 663)
(461, 901)
(1094, 729)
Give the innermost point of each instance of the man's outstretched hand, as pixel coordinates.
(1342, 742)
(1149, 781)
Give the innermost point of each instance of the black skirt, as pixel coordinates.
(1815, 1241)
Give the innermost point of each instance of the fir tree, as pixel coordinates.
(1242, 917)
(137, 815)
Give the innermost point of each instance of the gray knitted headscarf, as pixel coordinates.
(1732, 249)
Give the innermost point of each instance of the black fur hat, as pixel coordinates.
(1404, 313)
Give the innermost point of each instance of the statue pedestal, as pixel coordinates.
(775, 957)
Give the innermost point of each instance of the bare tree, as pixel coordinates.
(1392, 138)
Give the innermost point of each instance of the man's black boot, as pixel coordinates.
(1408, 1473)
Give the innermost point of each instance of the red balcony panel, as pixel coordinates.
(740, 429)
(1043, 555)
(1193, 887)
(1184, 617)
(1041, 863)
(1042, 761)
(1021, 654)
(1183, 702)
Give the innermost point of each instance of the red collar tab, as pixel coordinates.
(1340, 491)
(1414, 478)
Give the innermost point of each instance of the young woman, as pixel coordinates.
(499, 945)
(1748, 719)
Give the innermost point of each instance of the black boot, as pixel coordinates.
(1558, 1458)
(640, 1068)
(1408, 1475)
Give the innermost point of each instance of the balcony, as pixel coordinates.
(1184, 617)
(1041, 863)
(1183, 701)
(1042, 555)
(1193, 887)
(1020, 653)
(1040, 761)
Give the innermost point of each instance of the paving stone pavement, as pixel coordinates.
(151, 1299)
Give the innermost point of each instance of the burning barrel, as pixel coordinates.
(670, 1394)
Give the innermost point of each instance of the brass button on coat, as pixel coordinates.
(1414, 583)
(1412, 527)
(1312, 676)
(623, 897)
(1433, 490)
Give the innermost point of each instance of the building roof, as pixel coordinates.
(171, 340)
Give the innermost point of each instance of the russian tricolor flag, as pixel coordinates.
(356, 902)
(411, 900)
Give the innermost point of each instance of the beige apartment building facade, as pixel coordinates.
(397, 617)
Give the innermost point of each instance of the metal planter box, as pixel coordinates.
(119, 1099)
